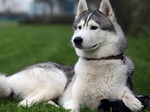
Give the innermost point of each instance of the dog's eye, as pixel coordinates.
(79, 27)
(93, 27)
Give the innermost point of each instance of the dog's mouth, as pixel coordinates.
(87, 48)
(95, 45)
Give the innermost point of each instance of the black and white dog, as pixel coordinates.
(102, 71)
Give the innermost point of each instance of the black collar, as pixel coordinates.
(120, 56)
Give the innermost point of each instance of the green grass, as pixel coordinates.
(138, 50)
(24, 45)
(21, 46)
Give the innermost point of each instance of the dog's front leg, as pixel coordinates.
(130, 101)
(76, 99)
(72, 105)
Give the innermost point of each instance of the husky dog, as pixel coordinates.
(102, 71)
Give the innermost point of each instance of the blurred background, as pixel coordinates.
(133, 15)
(34, 31)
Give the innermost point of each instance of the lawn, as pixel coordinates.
(24, 45)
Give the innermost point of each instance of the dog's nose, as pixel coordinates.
(78, 41)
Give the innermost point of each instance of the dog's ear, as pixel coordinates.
(82, 6)
(106, 9)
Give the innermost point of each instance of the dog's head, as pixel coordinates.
(97, 33)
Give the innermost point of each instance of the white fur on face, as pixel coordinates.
(98, 43)
(92, 39)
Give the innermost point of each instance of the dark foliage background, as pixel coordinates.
(132, 15)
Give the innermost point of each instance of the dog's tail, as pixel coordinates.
(5, 89)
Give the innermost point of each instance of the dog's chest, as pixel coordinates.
(101, 72)
(97, 79)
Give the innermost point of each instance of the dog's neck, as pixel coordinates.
(117, 57)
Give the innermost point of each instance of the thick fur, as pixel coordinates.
(97, 35)
(37, 83)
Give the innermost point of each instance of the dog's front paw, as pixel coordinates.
(25, 103)
(132, 103)
(72, 105)
(52, 103)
